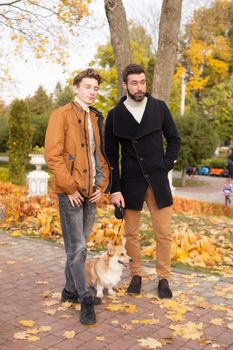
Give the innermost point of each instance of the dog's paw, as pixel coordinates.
(99, 295)
(111, 292)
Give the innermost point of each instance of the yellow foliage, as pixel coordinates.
(27, 323)
(129, 308)
(189, 330)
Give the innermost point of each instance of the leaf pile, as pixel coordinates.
(197, 240)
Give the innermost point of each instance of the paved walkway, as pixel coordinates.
(211, 192)
(31, 279)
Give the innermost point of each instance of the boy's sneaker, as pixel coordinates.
(87, 314)
(67, 296)
(164, 290)
(73, 297)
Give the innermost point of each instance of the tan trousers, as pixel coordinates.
(161, 221)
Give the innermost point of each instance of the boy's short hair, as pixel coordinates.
(87, 73)
(131, 69)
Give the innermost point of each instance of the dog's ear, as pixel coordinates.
(110, 249)
(123, 241)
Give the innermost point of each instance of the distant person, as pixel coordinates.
(230, 164)
(228, 190)
(74, 154)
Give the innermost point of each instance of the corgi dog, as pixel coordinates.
(105, 271)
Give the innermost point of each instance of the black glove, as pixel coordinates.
(119, 211)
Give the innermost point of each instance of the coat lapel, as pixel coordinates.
(151, 119)
(125, 125)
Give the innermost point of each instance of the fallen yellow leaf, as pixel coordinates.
(20, 335)
(130, 308)
(189, 330)
(69, 334)
(27, 323)
(50, 311)
(216, 321)
(33, 338)
(46, 294)
(77, 307)
(99, 338)
(32, 331)
(175, 317)
(67, 304)
(150, 343)
(126, 326)
(16, 234)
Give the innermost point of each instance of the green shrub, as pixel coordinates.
(20, 135)
(3, 134)
(214, 162)
(39, 124)
(4, 174)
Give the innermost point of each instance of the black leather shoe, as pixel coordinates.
(135, 285)
(164, 290)
(73, 297)
(87, 314)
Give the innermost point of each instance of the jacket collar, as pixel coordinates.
(78, 108)
(84, 106)
(125, 125)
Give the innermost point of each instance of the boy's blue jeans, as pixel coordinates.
(77, 223)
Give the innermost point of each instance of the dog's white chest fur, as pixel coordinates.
(111, 277)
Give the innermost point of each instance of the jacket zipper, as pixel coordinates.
(89, 167)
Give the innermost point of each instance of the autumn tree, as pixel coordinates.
(43, 26)
(63, 95)
(104, 62)
(207, 47)
(40, 102)
(198, 140)
(218, 107)
(20, 134)
(119, 33)
(167, 48)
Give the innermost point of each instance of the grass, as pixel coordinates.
(4, 165)
(183, 266)
(189, 183)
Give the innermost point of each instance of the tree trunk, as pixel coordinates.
(183, 177)
(169, 28)
(119, 33)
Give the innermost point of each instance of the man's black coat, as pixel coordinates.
(143, 159)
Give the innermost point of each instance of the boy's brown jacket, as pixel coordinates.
(67, 151)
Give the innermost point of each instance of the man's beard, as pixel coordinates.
(137, 97)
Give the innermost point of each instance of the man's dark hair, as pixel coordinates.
(131, 69)
(87, 73)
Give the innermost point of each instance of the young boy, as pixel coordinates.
(74, 154)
